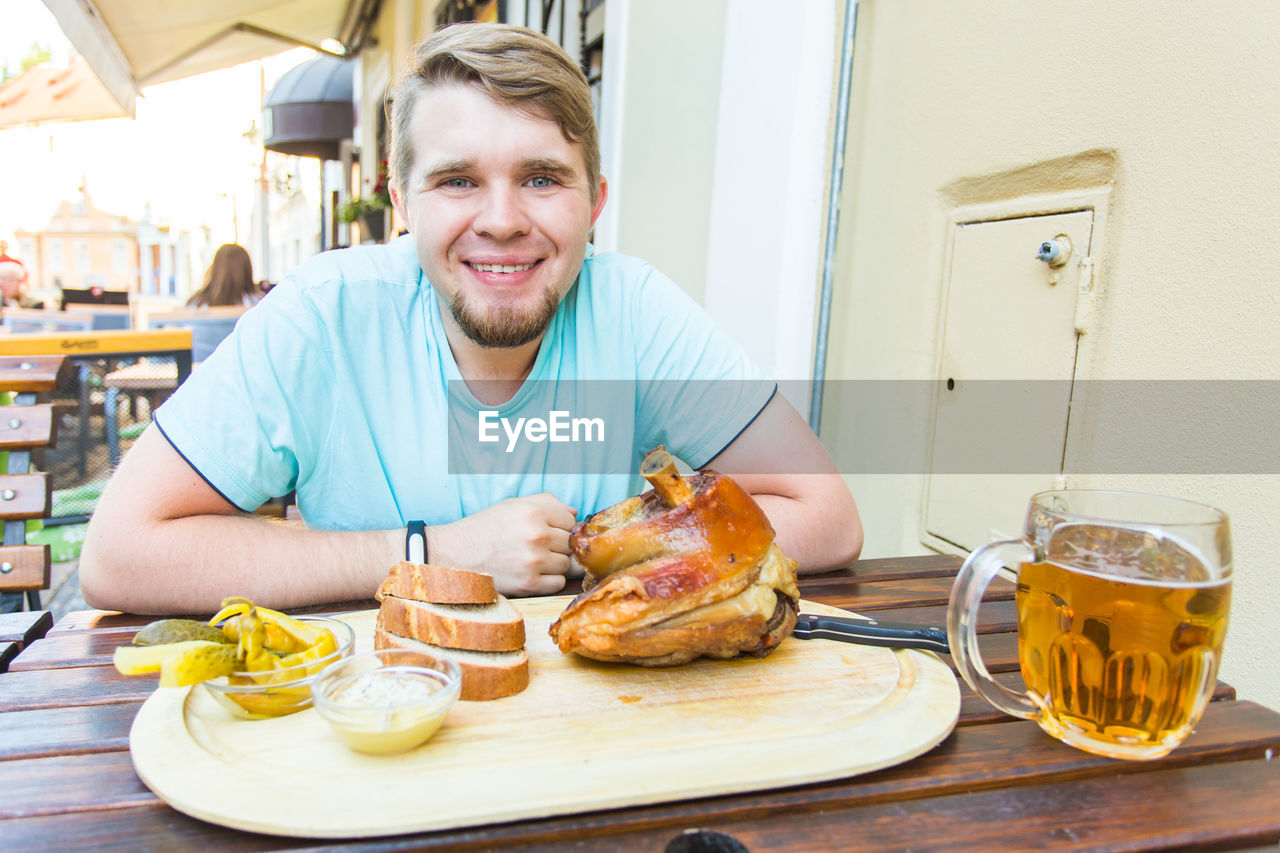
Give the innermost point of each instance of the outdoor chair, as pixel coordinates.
(209, 326)
(39, 321)
(25, 495)
(155, 379)
(108, 316)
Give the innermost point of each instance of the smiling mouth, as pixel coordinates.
(501, 268)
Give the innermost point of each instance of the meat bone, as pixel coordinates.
(660, 470)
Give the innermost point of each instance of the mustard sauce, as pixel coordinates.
(386, 712)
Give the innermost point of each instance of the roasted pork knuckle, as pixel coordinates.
(686, 570)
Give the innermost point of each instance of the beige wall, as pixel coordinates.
(660, 182)
(1175, 109)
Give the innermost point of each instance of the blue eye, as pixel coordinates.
(457, 183)
(541, 182)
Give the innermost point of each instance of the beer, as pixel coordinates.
(1120, 631)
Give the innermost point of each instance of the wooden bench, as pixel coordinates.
(25, 495)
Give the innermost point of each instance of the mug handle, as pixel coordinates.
(971, 584)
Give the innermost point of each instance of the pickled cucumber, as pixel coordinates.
(140, 660)
(198, 664)
(177, 631)
(276, 639)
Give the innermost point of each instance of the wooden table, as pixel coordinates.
(995, 784)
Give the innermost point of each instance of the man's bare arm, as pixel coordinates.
(164, 541)
(786, 469)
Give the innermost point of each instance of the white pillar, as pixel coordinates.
(147, 281)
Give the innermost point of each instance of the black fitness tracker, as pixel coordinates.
(415, 543)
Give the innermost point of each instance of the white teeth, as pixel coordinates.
(501, 267)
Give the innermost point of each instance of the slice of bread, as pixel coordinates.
(485, 675)
(438, 584)
(496, 627)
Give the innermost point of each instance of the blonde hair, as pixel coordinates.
(513, 65)
(228, 280)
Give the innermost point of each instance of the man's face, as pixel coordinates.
(499, 207)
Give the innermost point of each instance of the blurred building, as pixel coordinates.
(81, 247)
(171, 260)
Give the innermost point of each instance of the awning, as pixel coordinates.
(309, 111)
(47, 93)
(135, 43)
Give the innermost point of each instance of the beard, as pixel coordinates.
(505, 327)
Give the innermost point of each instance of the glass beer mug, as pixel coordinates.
(1122, 603)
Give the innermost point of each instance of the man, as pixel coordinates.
(346, 381)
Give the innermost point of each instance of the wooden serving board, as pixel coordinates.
(583, 736)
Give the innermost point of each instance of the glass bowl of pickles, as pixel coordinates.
(387, 701)
(287, 688)
(253, 661)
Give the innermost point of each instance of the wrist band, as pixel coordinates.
(415, 543)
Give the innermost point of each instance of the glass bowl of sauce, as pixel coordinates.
(387, 701)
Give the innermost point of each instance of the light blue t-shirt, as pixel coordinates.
(341, 384)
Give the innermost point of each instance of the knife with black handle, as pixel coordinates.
(869, 632)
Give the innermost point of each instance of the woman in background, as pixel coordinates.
(228, 281)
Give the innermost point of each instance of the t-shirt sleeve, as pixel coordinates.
(699, 389)
(256, 406)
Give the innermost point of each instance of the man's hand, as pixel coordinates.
(522, 542)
